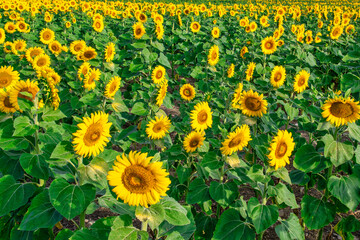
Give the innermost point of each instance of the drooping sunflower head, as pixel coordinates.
(243, 51)
(268, 45)
(159, 30)
(278, 76)
(193, 141)
(158, 74)
(112, 87)
(236, 140)
(139, 30)
(253, 104)
(341, 111)
(32, 52)
(53, 78)
(47, 36)
(162, 93)
(235, 103)
(301, 81)
(77, 46)
(8, 77)
(157, 128)
(187, 92)
(231, 71)
(215, 32)
(93, 135)
(87, 54)
(280, 149)
(137, 181)
(41, 61)
(5, 104)
(250, 71)
(90, 78)
(16, 92)
(195, 27)
(110, 52)
(213, 57)
(201, 117)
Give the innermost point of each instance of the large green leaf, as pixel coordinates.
(108, 201)
(346, 189)
(63, 150)
(175, 214)
(290, 229)
(41, 213)
(35, 165)
(316, 213)
(13, 195)
(307, 158)
(70, 200)
(231, 226)
(205, 226)
(263, 216)
(23, 127)
(122, 229)
(223, 193)
(198, 192)
(140, 109)
(338, 152)
(354, 131)
(50, 114)
(154, 215)
(283, 195)
(95, 172)
(210, 160)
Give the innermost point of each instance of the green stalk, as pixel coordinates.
(144, 226)
(82, 219)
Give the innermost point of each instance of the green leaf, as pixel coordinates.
(154, 215)
(174, 236)
(63, 150)
(108, 201)
(299, 177)
(283, 174)
(307, 158)
(338, 152)
(346, 189)
(35, 165)
(23, 127)
(224, 194)
(163, 60)
(13, 144)
(283, 195)
(205, 226)
(50, 114)
(139, 44)
(210, 160)
(127, 233)
(350, 81)
(64, 234)
(175, 214)
(13, 195)
(291, 111)
(139, 109)
(95, 172)
(41, 214)
(183, 173)
(316, 213)
(263, 216)
(290, 229)
(354, 131)
(310, 59)
(256, 174)
(198, 192)
(231, 226)
(70, 200)
(357, 154)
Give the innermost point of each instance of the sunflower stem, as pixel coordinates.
(82, 219)
(144, 226)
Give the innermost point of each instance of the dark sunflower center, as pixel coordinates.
(202, 117)
(88, 54)
(93, 134)
(41, 62)
(341, 110)
(277, 76)
(280, 150)
(187, 92)
(235, 141)
(253, 104)
(97, 24)
(34, 53)
(112, 87)
(194, 142)
(158, 127)
(91, 79)
(5, 79)
(196, 27)
(46, 36)
(138, 31)
(78, 47)
(137, 179)
(7, 102)
(55, 47)
(268, 45)
(159, 74)
(301, 81)
(214, 55)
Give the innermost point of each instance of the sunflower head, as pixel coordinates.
(215, 32)
(32, 52)
(278, 75)
(41, 61)
(187, 92)
(250, 71)
(77, 46)
(162, 93)
(336, 32)
(301, 81)
(47, 36)
(109, 52)
(253, 104)
(98, 25)
(139, 30)
(16, 92)
(201, 117)
(112, 87)
(193, 141)
(231, 71)
(195, 27)
(90, 78)
(268, 45)
(87, 54)
(5, 104)
(236, 140)
(213, 57)
(158, 75)
(280, 149)
(8, 77)
(55, 47)
(157, 128)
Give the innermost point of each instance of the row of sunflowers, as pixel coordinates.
(154, 120)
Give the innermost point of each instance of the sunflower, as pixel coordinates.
(98, 25)
(278, 75)
(251, 104)
(77, 46)
(235, 103)
(10, 27)
(195, 27)
(213, 57)
(341, 111)
(280, 149)
(41, 61)
(187, 92)
(112, 87)
(336, 32)
(55, 47)
(301, 81)
(22, 26)
(350, 29)
(137, 181)
(193, 141)
(84, 70)
(109, 52)
(243, 51)
(18, 46)
(32, 52)
(8, 77)
(53, 78)
(231, 71)
(2, 36)
(139, 30)
(68, 24)
(7, 47)
(201, 117)
(156, 129)
(5, 105)
(159, 30)
(47, 36)
(158, 75)
(280, 43)
(236, 140)
(93, 134)
(268, 45)
(90, 78)
(162, 93)
(253, 26)
(142, 17)
(20, 87)
(87, 54)
(250, 71)
(215, 32)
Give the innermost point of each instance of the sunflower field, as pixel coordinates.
(179, 120)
